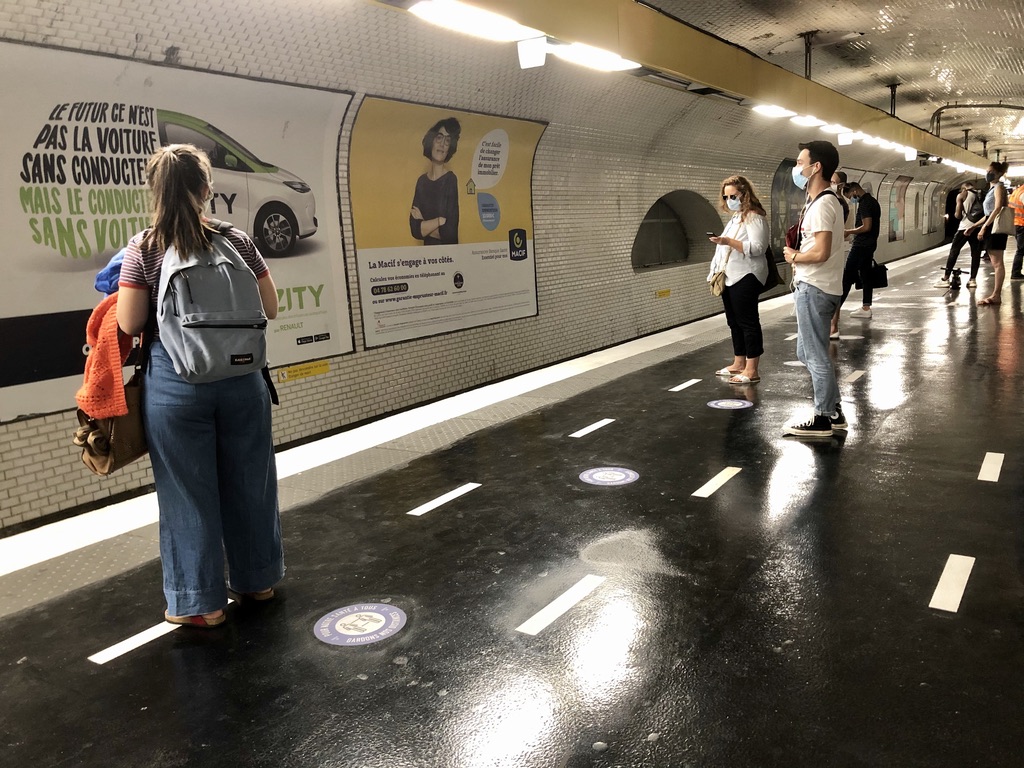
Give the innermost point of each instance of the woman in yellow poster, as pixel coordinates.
(434, 218)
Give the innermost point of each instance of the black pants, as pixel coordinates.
(954, 251)
(1018, 258)
(858, 268)
(741, 313)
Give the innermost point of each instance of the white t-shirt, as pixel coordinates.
(824, 215)
(968, 202)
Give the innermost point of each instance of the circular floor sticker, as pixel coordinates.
(359, 624)
(609, 476)
(730, 405)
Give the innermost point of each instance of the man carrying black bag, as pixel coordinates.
(860, 262)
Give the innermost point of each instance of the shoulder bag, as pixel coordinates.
(717, 282)
(109, 444)
(1003, 225)
(774, 278)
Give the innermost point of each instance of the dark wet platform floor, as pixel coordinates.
(782, 620)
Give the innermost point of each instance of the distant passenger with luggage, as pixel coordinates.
(970, 212)
(862, 252)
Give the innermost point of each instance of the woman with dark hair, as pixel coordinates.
(210, 444)
(741, 253)
(995, 201)
(434, 218)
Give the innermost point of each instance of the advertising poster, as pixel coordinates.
(787, 203)
(74, 191)
(898, 207)
(443, 219)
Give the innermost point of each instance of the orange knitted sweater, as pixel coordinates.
(102, 393)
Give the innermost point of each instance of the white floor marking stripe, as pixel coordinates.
(592, 428)
(136, 641)
(853, 377)
(460, 491)
(910, 282)
(716, 482)
(915, 330)
(791, 337)
(684, 385)
(537, 623)
(952, 583)
(991, 467)
(133, 642)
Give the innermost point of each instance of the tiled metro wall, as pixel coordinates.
(613, 146)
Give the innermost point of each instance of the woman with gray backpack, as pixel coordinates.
(206, 404)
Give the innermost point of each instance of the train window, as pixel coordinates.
(673, 231)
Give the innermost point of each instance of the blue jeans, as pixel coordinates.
(216, 484)
(814, 310)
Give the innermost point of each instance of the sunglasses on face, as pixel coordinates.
(730, 197)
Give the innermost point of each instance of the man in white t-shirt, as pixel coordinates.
(818, 284)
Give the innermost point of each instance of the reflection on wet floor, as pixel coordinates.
(718, 596)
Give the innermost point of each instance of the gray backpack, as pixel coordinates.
(976, 211)
(210, 314)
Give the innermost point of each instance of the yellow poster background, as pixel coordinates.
(386, 159)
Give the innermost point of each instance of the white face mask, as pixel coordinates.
(734, 205)
(835, 187)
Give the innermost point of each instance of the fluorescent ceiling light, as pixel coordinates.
(909, 153)
(835, 128)
(460, 17)
(770, 110)
(594, 58)
(533, 52)
(860, 136)
(809, 121)
(845, 139)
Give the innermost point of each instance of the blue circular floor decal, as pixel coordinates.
(360, 624)
(609, 476)
(730, 405)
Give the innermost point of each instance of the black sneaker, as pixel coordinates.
(819, 426)
(839, 421)
(1016, 277)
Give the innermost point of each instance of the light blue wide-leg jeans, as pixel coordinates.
(216, 483)
(814, 310)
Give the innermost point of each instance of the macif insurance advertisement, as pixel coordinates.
(442, 217)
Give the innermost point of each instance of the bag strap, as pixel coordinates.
(222, 228)
(800, 220)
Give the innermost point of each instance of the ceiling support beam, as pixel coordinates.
(665, 45)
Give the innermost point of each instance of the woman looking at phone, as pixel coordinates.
(741, 250)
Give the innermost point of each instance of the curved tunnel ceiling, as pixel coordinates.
(940, 52)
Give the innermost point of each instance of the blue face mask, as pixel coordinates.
(734, 205)
(798, 178)
(856, 198)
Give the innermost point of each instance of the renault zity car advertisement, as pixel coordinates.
(78, 130)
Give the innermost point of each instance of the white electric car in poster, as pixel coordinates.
(273, 205)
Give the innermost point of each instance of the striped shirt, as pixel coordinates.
(142, 266)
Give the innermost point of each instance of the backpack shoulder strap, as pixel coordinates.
(219, 226)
